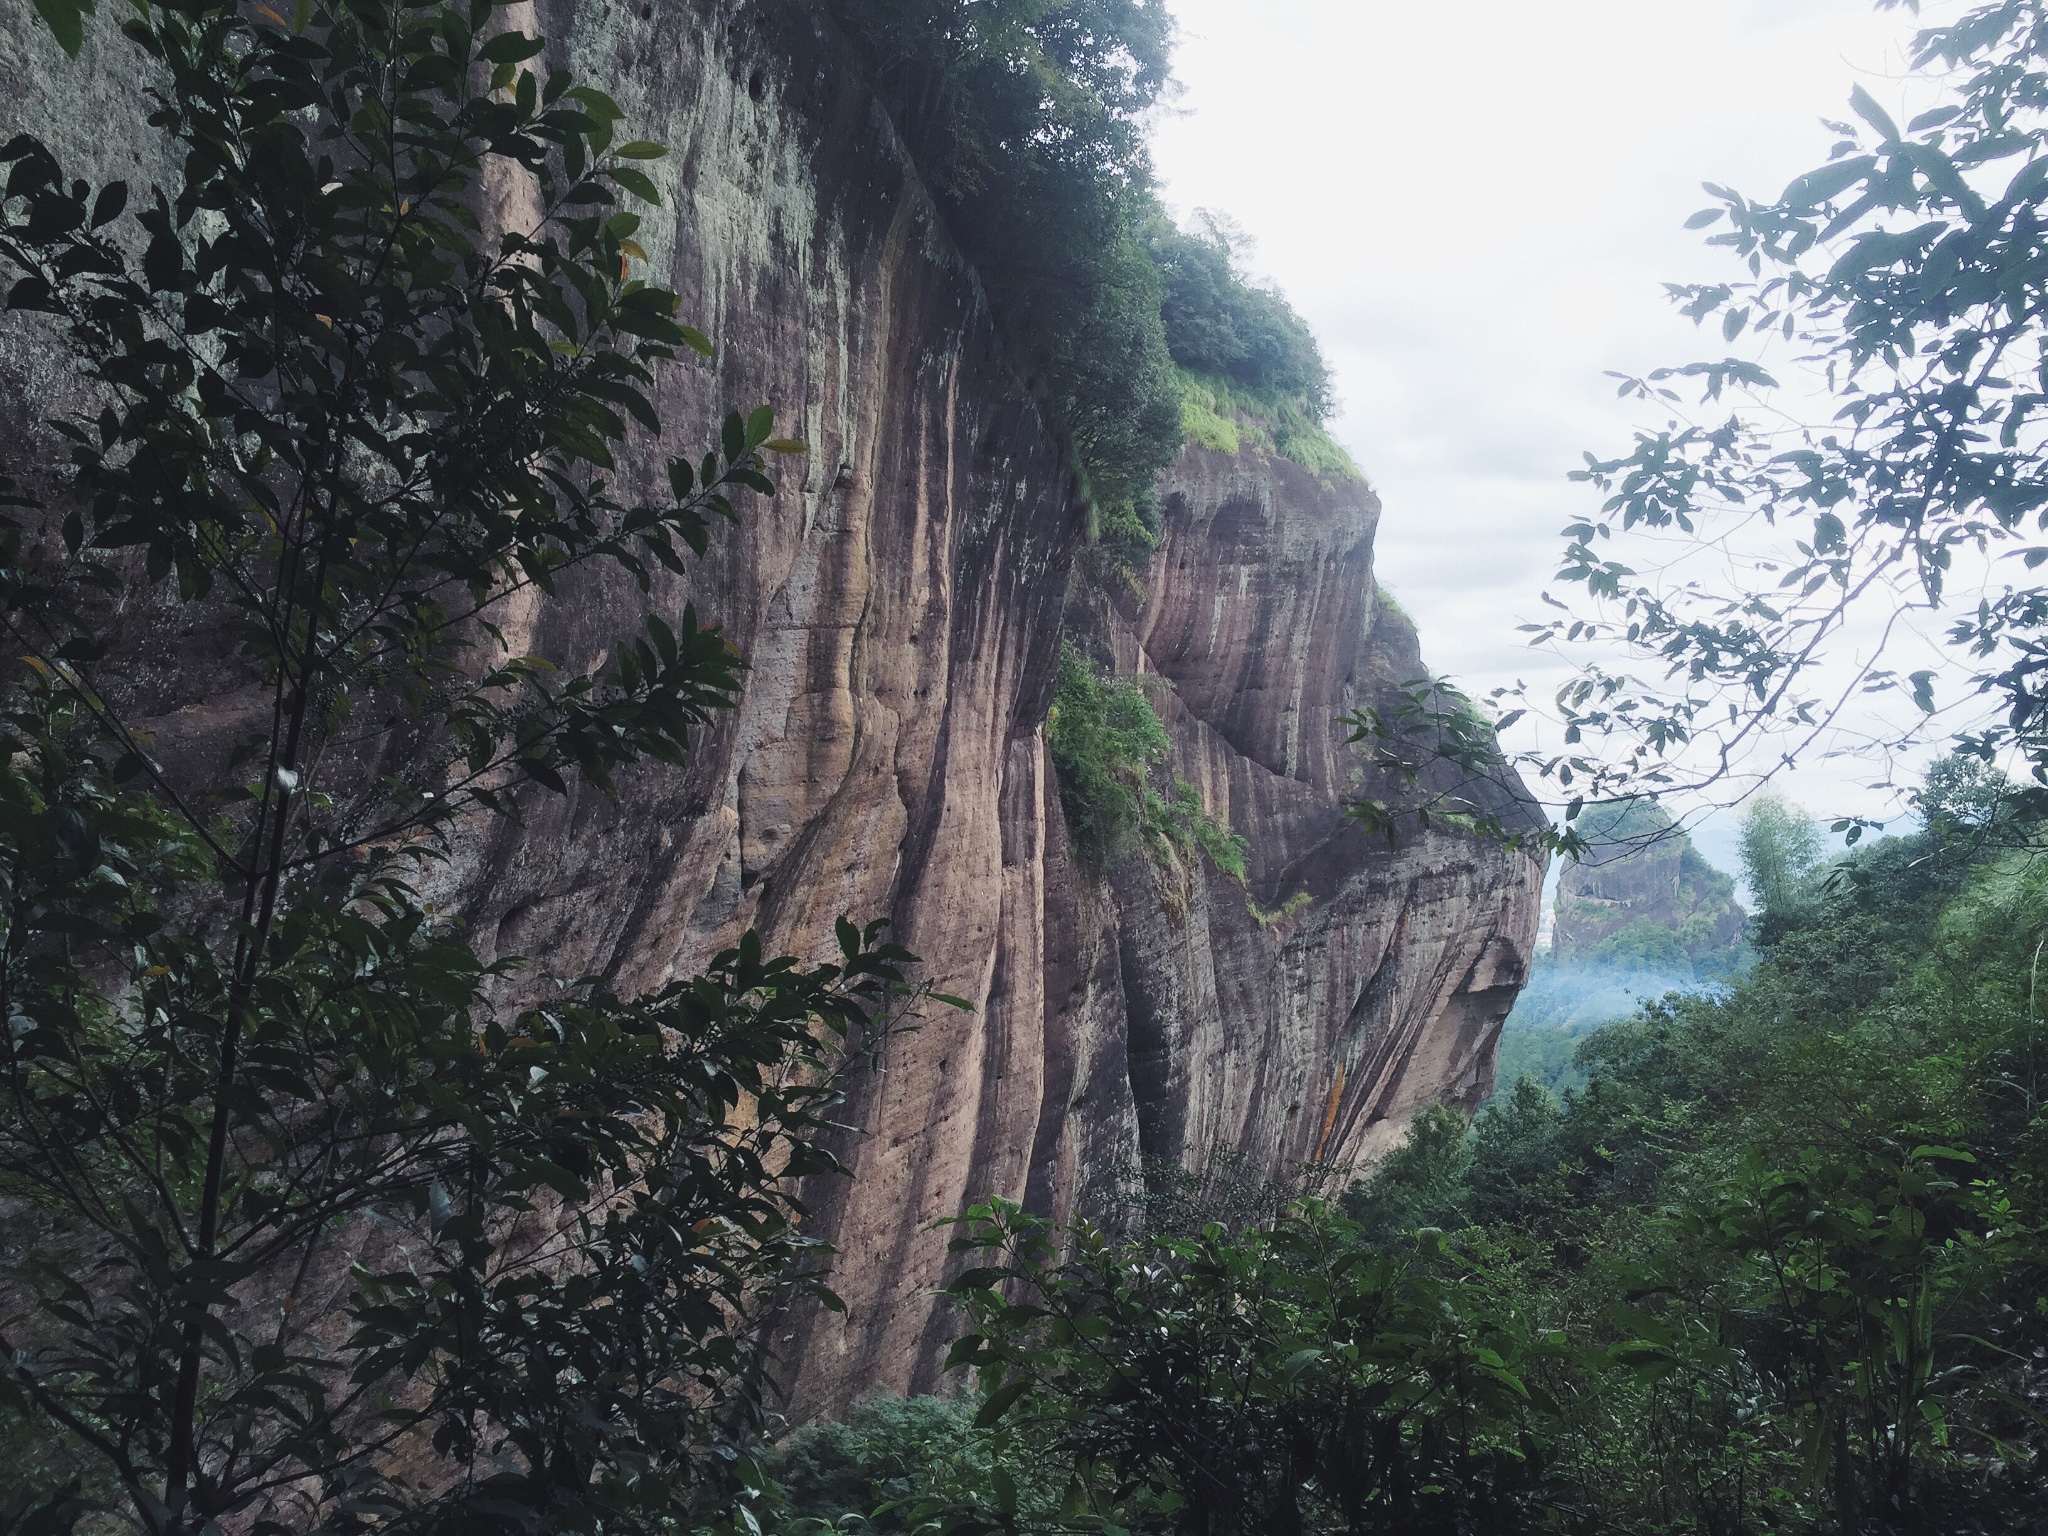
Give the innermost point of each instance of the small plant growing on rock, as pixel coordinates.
(1106, 739)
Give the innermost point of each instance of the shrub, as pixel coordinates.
(1421, 1183)
(886, 1452)
(1106, 739)
(1219, 324)
(1266, 917)
(1280, 1378)
(1182, 820)
(1204, 419)
(1216, 413)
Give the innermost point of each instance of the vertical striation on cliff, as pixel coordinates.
(1305, 1016)
(900, 603)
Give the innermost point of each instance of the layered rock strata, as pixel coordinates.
(900, 602)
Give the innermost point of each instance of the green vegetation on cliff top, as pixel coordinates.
(1249, 367)
(1026, 119)
(1217, 414)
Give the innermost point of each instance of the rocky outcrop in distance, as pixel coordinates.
(1642, 893)
(900, 603)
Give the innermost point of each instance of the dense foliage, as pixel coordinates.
(1107, 745)
(1810, 1210)
(306, 1228)
(1251, 372)
(1775, 1267)
(1218, 323)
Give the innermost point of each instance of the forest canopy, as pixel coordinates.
(1772, 1267)
(1219, 323)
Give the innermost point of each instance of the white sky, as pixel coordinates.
(1476, 205)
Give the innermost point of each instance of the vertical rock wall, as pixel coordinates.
(1305, 1015)
(900, 603)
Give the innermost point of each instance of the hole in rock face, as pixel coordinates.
(646, 11)
(515, 927)
(757, 85)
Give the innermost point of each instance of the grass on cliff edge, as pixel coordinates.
(1228, 418)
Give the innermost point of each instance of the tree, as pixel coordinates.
(1780, 847)
(1421, 1183)
(303, 1232)
(1285, 1378)
(1909, 269)
(1219, 323)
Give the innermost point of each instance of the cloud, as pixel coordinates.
(1477, 208)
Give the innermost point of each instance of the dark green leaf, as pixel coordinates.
(113, 197)
(510, 48)
(1000, 1401)
(635, 182)
(66, 21)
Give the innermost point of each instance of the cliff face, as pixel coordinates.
(1641, 873)
(1174, 1014)
(1307, 1014)
(900, 602)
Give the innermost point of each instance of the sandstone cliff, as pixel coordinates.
(1305, 1015)
(1643, 893)
(901, 603)
(1178, 1014)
